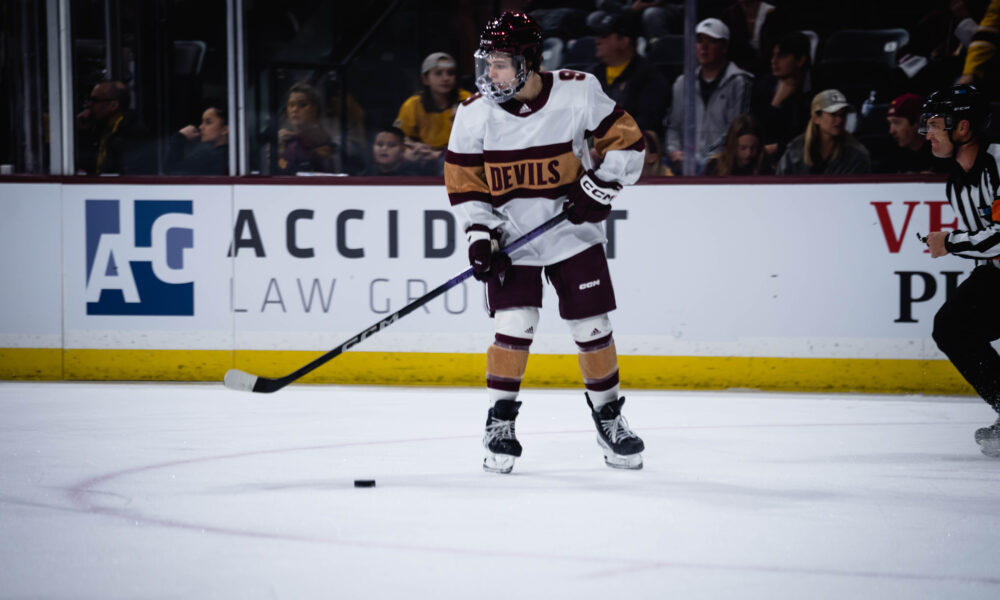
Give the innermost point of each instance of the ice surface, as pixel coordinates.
(194, 491)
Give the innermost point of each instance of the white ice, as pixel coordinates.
(151, 491)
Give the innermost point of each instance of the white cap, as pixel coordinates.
(437, 59)
(713, 28)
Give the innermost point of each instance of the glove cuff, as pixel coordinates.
(598, 190)
(476, 233)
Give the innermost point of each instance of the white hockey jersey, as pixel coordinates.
(510, 166)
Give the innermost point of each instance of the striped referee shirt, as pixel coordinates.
(975, 197)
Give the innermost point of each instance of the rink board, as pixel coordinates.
(799, 286)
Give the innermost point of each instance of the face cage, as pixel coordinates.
(504, 90)
(949, 121)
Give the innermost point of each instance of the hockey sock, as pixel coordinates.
(599, 367)
(506, 361)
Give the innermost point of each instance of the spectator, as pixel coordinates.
(722, 92)
(112, 138)
(626, 77)
(781, 100)
(652, 165)
(826, 147)
(982, 66)
(211, 154)
(914, 153)
(426, 118)
(388, 152)
(742, 154)
(304, 145)
(753, 27)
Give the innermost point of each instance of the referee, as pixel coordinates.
(954, 121)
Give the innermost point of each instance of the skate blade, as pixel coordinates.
(617, 461)
(498, 463)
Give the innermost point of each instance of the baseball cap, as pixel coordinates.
(830, 101)
(605, 23)
(437, 59)
(713, 28)
(908, 106)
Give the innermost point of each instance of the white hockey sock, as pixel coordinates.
(599, 399)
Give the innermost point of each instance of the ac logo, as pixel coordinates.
(136, 260)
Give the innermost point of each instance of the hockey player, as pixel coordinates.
(954, 121)
(517, 156)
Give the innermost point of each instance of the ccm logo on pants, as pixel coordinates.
(590, 284)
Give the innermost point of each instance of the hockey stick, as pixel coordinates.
(242, 381)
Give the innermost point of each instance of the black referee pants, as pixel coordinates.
(964, 327)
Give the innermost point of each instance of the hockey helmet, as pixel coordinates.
(957, 103)
(514, 41)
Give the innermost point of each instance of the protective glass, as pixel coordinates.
(499, 75)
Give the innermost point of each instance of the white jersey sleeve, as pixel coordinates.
(617, 137)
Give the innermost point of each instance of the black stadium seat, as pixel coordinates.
(580, 53)
(858, 62)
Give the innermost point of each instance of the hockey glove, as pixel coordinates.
(590, 199)
(484, 253)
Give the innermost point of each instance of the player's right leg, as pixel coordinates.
(514, 304)
(506, 361)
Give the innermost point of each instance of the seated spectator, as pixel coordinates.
(754, 26)
(210, 155)
(722, 92)
(426, 118)
(826, 147)
(653, 162)
(304, 145)
(982, 65)
(112, 138)
(781, 100)
(742, 154)
(626, 77)
(388, 152)
(914, 151)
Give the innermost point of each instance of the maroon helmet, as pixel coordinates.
(517, 36)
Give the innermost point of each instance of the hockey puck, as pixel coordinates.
(364, 483)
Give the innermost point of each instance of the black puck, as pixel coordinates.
(364, 483)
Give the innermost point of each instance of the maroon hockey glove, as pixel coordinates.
(484, 253)
(590, 199)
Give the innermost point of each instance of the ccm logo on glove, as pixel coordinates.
(590, 199)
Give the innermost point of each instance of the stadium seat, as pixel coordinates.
(580, 53)
(858, 62)
(853, 45)
(552, 53)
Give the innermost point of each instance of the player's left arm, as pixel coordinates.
(621, 148)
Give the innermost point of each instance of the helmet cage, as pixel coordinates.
(503, 90)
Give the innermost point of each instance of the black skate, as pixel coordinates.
(988, 439)
(500, 442)
(621, 445)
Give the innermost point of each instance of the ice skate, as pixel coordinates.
(621, 445)
(499, 441)
(988, 439)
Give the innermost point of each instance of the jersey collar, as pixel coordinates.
(526, 109)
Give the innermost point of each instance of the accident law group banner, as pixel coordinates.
(787, 270)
